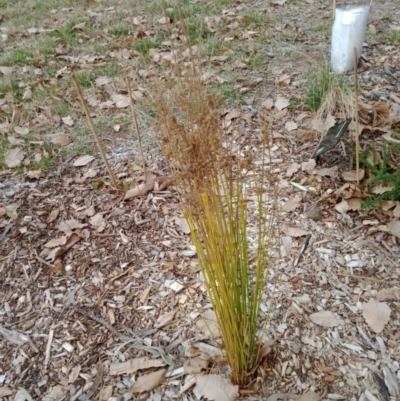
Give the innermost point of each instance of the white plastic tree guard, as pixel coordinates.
(348, 33)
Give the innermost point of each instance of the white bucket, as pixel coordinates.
(348, 32)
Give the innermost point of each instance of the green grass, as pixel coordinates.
(258, 61)
(214, 47)
(110, 70)
(62, 108)
(84, 78)
(67, 34)
(8, 84)
(119, 30)
(143, 45)
(81, 145)
(253, 18)
(45, 164)
(394, 36)
(323, 28)
(18, 56)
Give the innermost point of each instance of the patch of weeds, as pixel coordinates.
(95, 185)
(323, 28)
(18, 56)
(288, 53)
(119, 30)
(9, 85)
(62, 108)
(294, 104)
(214, 47)
(253, 18)
(110, 70)
(81, 145)
(326, 91)
(143, 45)
(84, 79)
(197, 30)
(67, 34)
(381, 172)
(230, 94)
(296, 180)
(48, 49)
(19, 169)
(45, 164)
(394, 36)
(258, 61)
(45, 185)
(3, 149)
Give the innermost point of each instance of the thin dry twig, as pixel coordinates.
(97, 319)
(356, 112)
(48, 348)
(128, 85)
(95, 134)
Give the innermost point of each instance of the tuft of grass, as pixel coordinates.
(110, 70)
(67, 34)
(326, 91)
(394, 36)
(45, 164)
(62, 108)
(119, 30)
(143, 45)
(253, 18)
(84, 78)
(213, 189)
(323, 28)
(18, 56)
(258, 61)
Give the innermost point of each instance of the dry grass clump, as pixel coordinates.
(214, 192)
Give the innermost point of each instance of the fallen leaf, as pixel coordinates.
(57, 267)
(56, 242)
(208, 324)
(315, 213)
(97, 221)
(117, 127)
(215, 388)
(332, 172)
(293, 168)
(100, 81)
(6, 70)
(83, 160)
(105, 393)
(14, 157)
(133, 365)
(164, 319)
(282, 397)
(293, 203)
(352, 175)
(183, 225)
(148, 382)
(396, 210)
(121, 101)
(342, 207)
(326, 318)
(308, 165)
(34, 174)
(27, 95)
(381, 189)
(268, 103)
(195, 365)
(294, 231)
(141, 189)
(291, 126)
(5, 391)
(235, 113)
(11, 210)
(394, 228)
(68, 121)
(21, 130)
(309, 397)
(281, 103)
(389, 294)
(60, 140)
(354, 203)
(376, 314)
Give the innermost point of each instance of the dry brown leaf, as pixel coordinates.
(164, 319)
(396, 210)
(121, 101)
(342, 207)
(21, 130)
(281, 103)
(326, 318)
(83, 160)
(141, 189)
(389, 294)
(34, 174)
(208, 324)
(57, 267)
(354, 203)
(291, 126)
(293, 168)
(100, 81)
(53, 215)
(68, 121)
(195, 365)
(387, 205)
(235, 113)
(309, 397)
(293, 231)
(148, 382)
(352, 175)
(394, 228)
(105, 393)
(60, 140)
(282, 397)
(376, 314)
(14, 157)
(183, 225)
(133, 365)
(11, 210)
(215, 388)
(330, 172)
(56, 242)
(6, 70)
(293, 203)
(97, 221)
(308, 165)
(5, 391)
(268, 103)
(74, 373)
(381, 189)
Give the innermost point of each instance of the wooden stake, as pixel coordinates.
(128, 85)
(334, 9)
(95, 134)
(356, 111)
